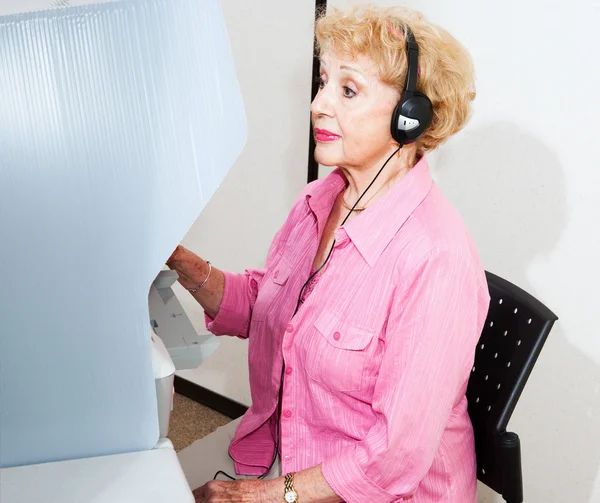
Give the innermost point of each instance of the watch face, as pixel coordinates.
(291, 496)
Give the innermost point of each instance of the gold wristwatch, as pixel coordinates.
(290, 495)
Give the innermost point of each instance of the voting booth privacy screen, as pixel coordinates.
(118, 122)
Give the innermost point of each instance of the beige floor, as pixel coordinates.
(191, 421)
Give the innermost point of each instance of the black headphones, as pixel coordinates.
(414, 112)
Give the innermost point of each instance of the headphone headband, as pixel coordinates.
(412, 51)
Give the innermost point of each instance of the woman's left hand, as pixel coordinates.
(238, 491)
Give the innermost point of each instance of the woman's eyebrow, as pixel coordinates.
(347, 68)
(351, 69)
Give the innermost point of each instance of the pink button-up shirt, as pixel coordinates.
(379, 355)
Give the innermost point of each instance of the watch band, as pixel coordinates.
(290, 495)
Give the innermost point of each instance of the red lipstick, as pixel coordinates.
(324, 136)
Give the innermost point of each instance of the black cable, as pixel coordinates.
(298, 307)
(221, 471)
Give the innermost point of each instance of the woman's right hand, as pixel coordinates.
(186, 263)
(192, 271)
(175, 257)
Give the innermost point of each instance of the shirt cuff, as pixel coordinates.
(250, 471)
(233, 316)
(344, 475)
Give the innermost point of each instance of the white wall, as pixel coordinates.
(524, 174)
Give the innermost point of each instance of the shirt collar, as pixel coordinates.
(321, 196)
(374, 228)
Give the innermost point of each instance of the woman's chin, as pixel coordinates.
(327, 159)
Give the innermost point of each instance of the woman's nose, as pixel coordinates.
(322, 104)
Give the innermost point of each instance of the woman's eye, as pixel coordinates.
(349, 93)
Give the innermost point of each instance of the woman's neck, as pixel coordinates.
(360, 178)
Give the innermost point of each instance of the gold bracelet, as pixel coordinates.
(290, 495)
(196, 288)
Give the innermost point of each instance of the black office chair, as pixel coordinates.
(516, 328)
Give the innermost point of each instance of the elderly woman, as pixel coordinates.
(362, 325)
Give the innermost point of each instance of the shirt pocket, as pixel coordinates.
(338, 352)
(271, 289)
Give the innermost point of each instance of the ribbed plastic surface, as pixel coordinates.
(118, 121)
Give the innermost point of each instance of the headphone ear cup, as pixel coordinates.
(411, 117)
(397, 134)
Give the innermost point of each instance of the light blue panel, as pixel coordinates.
(118, 121)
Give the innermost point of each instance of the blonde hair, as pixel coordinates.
(446, 73)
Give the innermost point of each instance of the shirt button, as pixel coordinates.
(290, 328)
(287, 413)
(287, 459)
(276, 273)
(336, 336)
(288, 370)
